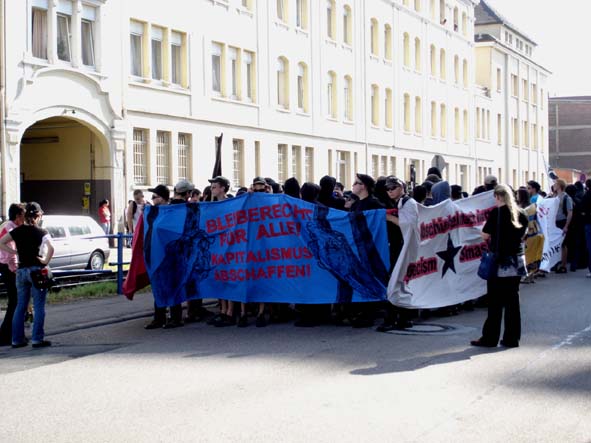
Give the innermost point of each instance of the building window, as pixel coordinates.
(156, 45)
(432, 10)
(237, 163)
(283, 82)
(347, 25)
(309, 164)
(392, 165)
(257, 158)
(330, 19)
(217, 64)
(348, 96)
(388, 42)
(374, 37)
(525, 134)
(302, 14)
(466, 126)
(39, 33)
(433, 119)
(443, 119)
(375, 165)
(457, 125)
(418, 5)
(406, 49)
(525, 90)
(249, 69)
(418, 54)
(247, 4)
(375, 105)
(234, 57)
(456, 70)
(418, 116)
(442, 70)
(136, 37)
(514, 86)
(499, 129)
(388, 108)
(542, 98)
(302, 87)
(464, 23)
(534, 130)
(499, 80)
(162, 157)
(442, 18)
(384, 166)
(433, 54)
(282, 10)
(534, 94)
(456, 19)
(140, 156)
(184, 156)
(296, 163)
(282, 163)
(176, 59)
(515, 130)
(64, 23)
(406, 113)
(331, 95)
(478, 124)
(465, 72)
(87, 37)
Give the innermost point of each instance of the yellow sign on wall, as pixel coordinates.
(87, 188)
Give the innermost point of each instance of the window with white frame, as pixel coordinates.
(387, 42)
(343, 167)
(418, 116)
(176, 63)
(163, 157)
(443, 120)
(157, 36)
(457, 125)
(309, 164)
(375, 165)
(283, 82)
(442, 64)
(375, 105)
(331, 100)
(406, 113)
(249, 69)
(418, 54)
(406, 49)
(348, 97)
(217, 51)
(237, 163)
(184, 156)
(296, 162)
(302, 87)
(282, 10)
(330, 19)
(465, 72)
(140, 156)
(136, 36)
(39, 32)
(456, 70)
(87, 38)
(302, 14)
(233, 56)
(388, 108)
(433, 54)
(347, 25)
(64, 31)
(433, 119)
(466, 127)
(282, 163)
(374, 37)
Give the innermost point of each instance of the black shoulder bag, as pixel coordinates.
(489, 265)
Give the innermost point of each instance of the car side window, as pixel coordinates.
(77, 231)
(56, 232)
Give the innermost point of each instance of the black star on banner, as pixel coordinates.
(448, 256)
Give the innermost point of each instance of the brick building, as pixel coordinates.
(570, 133)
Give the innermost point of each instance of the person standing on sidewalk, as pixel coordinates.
(160, 197)
(104, 214)
(586, 213)
(30, 241)
(8, 268)
(564, 216)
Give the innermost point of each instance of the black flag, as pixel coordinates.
(217, 167)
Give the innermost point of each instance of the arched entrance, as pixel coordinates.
(65, 165)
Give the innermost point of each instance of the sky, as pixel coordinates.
(560, 30)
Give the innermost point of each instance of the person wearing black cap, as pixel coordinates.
(363, 188)
(160, 197)
(35, 250)
(219, 187)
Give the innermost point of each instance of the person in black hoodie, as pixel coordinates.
(586, 218)
(327, 196)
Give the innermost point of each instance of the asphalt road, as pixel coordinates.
(112, 381)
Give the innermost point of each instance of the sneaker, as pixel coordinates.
(261, 321)
(20, 345)
(243, 321)
(171, 324)
(154, 325)
(42, 344)
(225, 320)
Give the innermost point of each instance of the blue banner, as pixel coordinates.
(265, 248)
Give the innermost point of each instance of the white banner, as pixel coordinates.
(442, 248)
(553, 236)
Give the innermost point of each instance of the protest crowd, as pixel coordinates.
(513, 228)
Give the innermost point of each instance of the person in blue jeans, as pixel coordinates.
(586, 213)
(35, 250)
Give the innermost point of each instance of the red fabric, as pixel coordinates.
(137, 276)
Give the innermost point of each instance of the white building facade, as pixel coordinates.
(104, 97)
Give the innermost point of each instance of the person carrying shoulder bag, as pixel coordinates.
(35, 250)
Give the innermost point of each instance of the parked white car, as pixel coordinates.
(74, 246)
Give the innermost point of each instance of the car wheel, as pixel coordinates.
(96, 261)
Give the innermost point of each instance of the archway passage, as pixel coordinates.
(65, 166)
